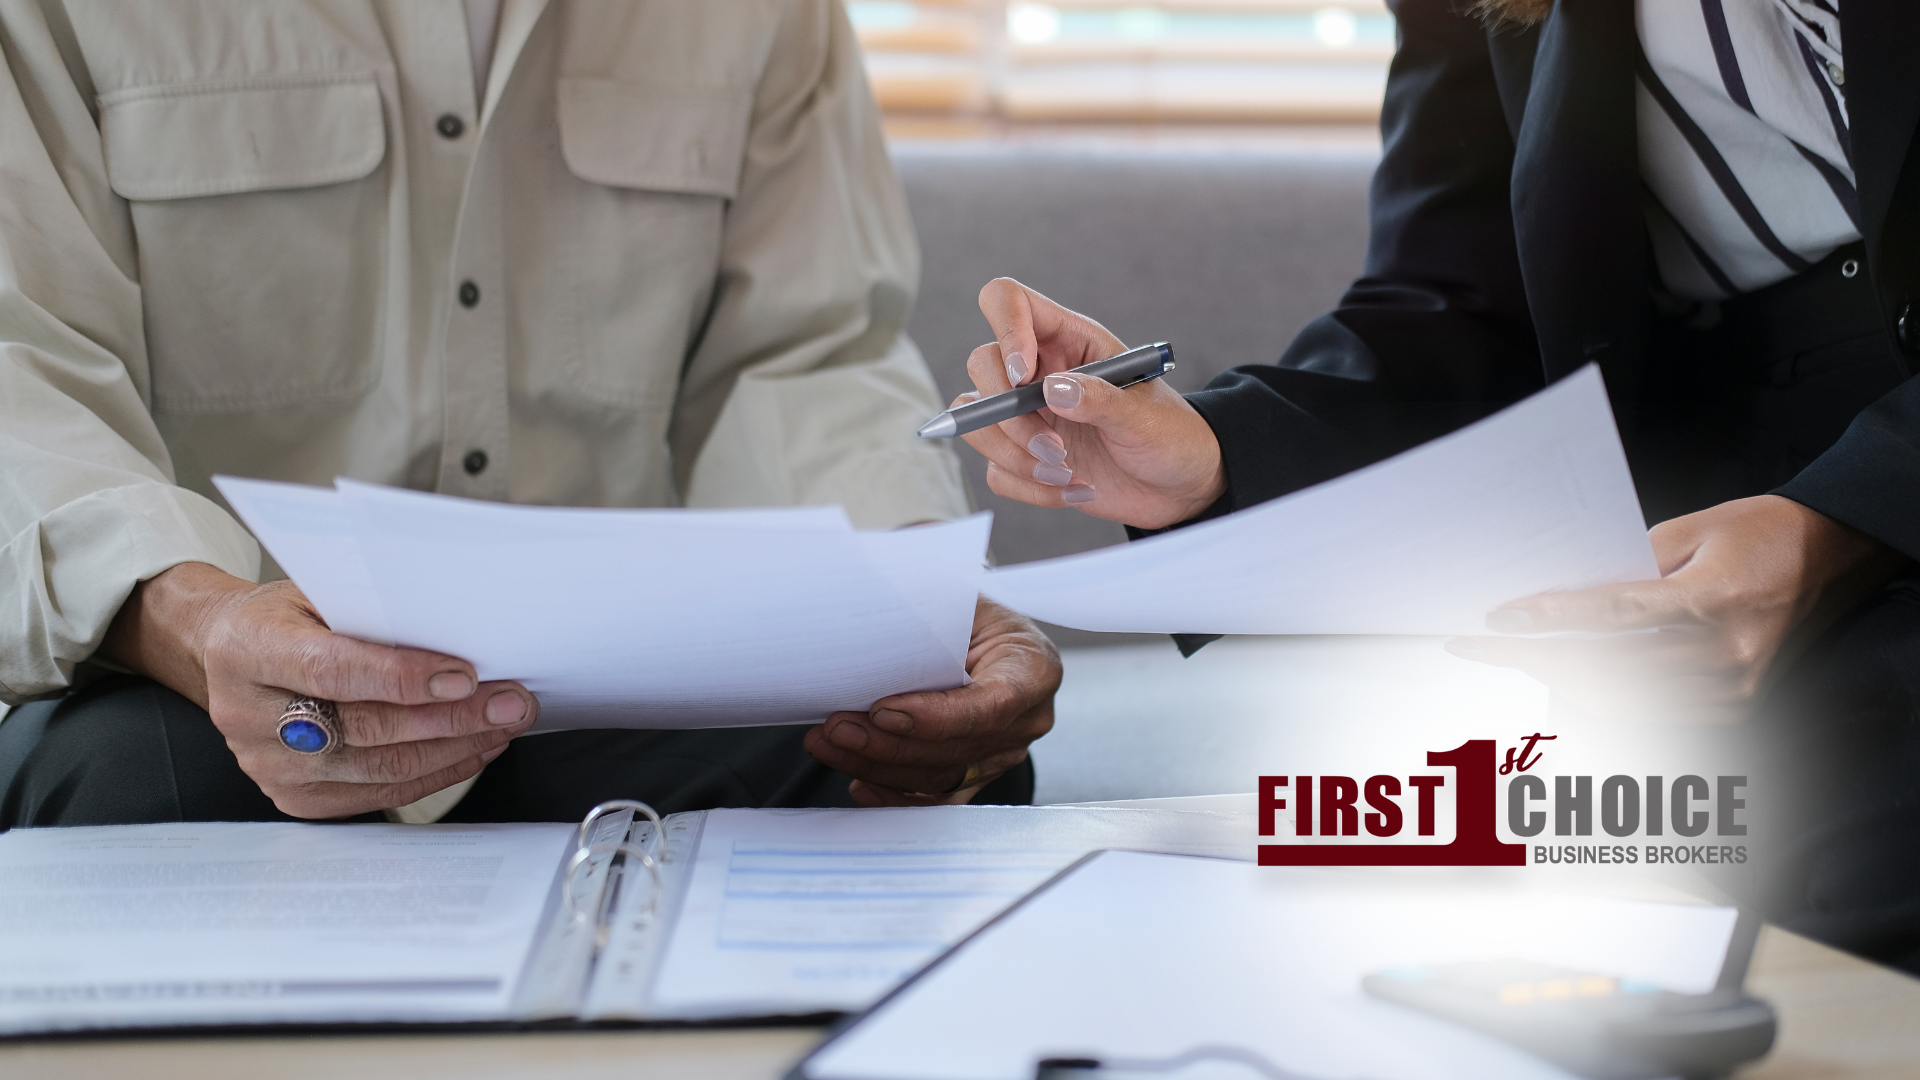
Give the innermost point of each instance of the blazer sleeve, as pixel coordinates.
(1870, 479)
(1436, 334)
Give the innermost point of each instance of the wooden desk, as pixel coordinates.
(1840, 1019)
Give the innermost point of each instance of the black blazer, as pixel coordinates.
(1508, 249)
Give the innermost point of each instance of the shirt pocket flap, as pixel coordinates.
(219, 138)
(655, 138)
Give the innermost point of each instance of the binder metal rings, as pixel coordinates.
(309, 726)
(580, 858)
(613, 806)
(584, 851)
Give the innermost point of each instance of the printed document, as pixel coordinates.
(636, 618)
(1536, 498)
(227, 923)
(798, 911)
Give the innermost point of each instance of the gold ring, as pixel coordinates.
(967, 779)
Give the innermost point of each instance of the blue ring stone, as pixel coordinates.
(305, 736)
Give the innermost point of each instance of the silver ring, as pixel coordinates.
(310, 726)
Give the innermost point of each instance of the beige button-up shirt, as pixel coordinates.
(662, 259)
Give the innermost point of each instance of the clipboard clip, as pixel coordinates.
(1090, 1068)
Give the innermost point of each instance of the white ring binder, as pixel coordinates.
(519, 923)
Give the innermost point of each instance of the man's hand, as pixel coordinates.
(1736, 581)
(1141, 455)
(914, 749)
(413, 721)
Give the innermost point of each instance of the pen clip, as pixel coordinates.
(1165, 367)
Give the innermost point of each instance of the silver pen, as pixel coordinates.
(1130, 367)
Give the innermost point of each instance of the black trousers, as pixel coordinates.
(1834, 799)
(126, 749)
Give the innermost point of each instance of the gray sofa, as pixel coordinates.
(1226, 251)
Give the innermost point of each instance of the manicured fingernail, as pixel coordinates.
(450, 685)
(1016, 368)
(848, 735)
(1074, 494)
(1510, 621)
(1062, 393)
(893, 720)
(969, 397)
(1057, 475)
(506, 707)
(1465, 647)
(491, 754)
(1048, 448)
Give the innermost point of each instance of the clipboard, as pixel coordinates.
(1063, 1004)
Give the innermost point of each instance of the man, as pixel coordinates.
(1714, 203)
(574, 253)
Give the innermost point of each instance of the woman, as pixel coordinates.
(1711, 201)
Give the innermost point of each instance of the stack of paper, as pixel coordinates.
(1536, 498)
(636, 618)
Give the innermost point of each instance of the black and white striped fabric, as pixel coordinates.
(1743, 141)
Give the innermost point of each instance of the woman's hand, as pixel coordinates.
(1141, 456)
(1738, 581)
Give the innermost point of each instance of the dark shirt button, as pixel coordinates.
(449, 126)
(1906, 326)
(469, 294)
(475, 462)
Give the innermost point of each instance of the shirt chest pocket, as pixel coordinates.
(650, 172)
(260, 224)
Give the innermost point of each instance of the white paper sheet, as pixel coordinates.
(1146, 957)
(251, 923)
(812, 910)
(637, 618)
(313, 541)
(1536, 498)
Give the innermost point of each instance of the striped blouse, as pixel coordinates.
(1743, 141)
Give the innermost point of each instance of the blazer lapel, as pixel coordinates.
(1511, 52)
(1577, 193)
